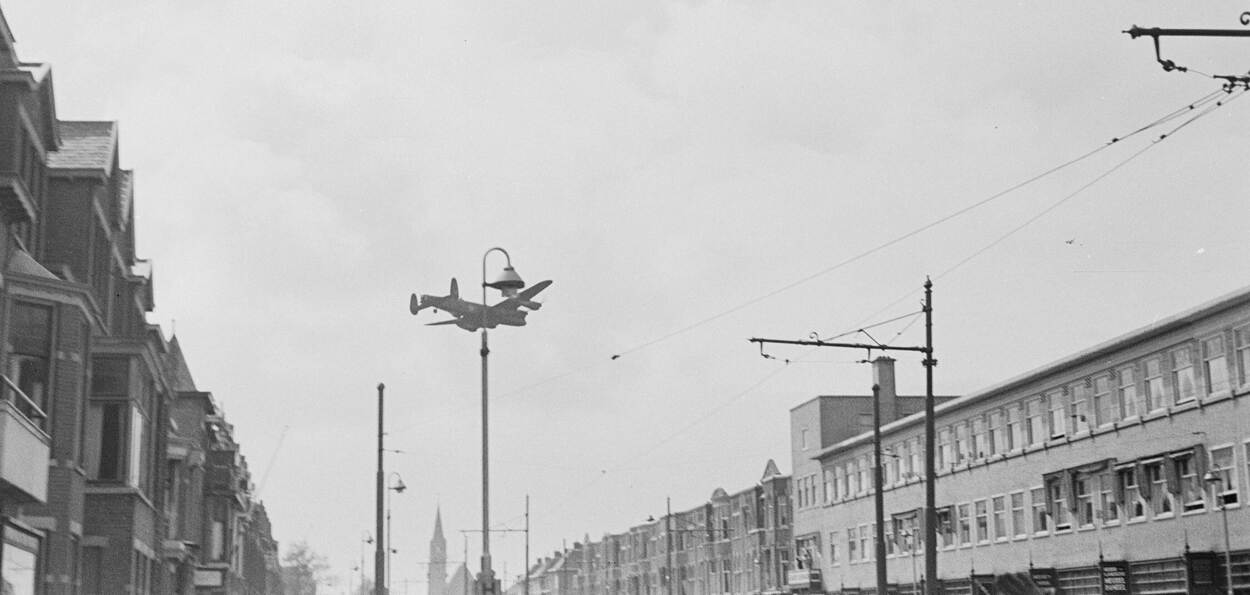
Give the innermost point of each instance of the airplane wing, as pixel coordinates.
(525, 298)
(442, 322)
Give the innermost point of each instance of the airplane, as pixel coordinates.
(472, 316)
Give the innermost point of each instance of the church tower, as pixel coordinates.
(436, 576)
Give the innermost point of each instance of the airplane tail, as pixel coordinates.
(455, 289)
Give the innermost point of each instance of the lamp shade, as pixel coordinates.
(507, 282)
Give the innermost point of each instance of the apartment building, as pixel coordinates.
(1117, 469)
(733, 543)
(97, 489)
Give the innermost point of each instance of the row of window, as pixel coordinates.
(1102, 495)
(1175, 376)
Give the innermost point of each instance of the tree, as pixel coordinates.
(303, 569)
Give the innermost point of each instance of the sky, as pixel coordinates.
(689, 174)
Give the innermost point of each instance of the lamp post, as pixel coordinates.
(1214, 480)
(397, 487)
(507, 283)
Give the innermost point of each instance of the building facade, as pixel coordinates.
(1118, 469)
(101, 490)
(733, 543)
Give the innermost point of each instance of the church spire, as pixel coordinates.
(438, 525)
(436, 573)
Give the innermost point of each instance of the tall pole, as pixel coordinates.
(379, 556)
(668, 545)
(1228, 548)
(930, 472)
(878, 496)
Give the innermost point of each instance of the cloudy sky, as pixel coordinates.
(690, 174)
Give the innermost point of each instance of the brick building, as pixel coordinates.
(1111, 470)
(733, 543)
(99, 488)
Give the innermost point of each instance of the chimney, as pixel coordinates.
(883, 377)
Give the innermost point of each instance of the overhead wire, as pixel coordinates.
(1169, 116)
(873, 250)
(915, 316)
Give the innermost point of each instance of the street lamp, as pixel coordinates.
(398, 487)
(508, 282)
(1214, 480)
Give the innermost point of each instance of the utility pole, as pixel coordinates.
(930, 472)
(878, 496)
(379, 556)
(668, 545)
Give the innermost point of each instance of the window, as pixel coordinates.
(865, 484)
(1214, 366)
(980, 439)
(833, 548)
(1190, 488)
(1161, 498)
(1058, 409)
(1106, 409)
(965, 524)
(946, 526)
(914, 452)
(852, 544)
(1224, 493)
(963, 448)
(803, 439)
(106, 440)
(30, 354)
(1134, 504)
(1155, 397)
(1019, 526)
(998, 437)
(831, 485)
(1108, 510)
(1132, 402)
(945, 456)
(1242, 337)
(1080, 408)
(1183, 376)
(1058, 493)
(844, 481)
(19, 563)
(980, 508)
(1000, 517)
(905, 461)
(1041, 519)
(1015, 429)
(1034, 422)
(865, 546)
(852, 478)
(1084, 500)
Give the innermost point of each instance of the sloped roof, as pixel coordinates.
(85, 145)
(176, 366)
(770, 470)
(21, 262)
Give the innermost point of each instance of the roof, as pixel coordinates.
(176, 367)
(23, 263)
(1159, 327)
(85, 145)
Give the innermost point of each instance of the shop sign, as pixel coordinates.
(1114, 577)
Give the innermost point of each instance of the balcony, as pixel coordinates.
(23, 447)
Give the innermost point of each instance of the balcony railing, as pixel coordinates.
(22, 403)
(24, 446)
